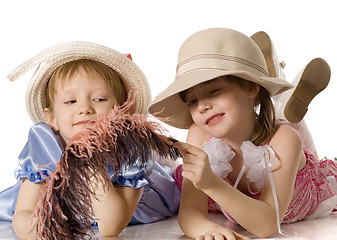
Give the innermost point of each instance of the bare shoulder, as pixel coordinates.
(287, 145)
(196, 136)
(286, 135)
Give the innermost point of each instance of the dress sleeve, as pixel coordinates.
(40, 154)
(135, 176)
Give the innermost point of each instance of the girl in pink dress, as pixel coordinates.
(238, 158)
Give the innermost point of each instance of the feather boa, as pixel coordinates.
(64, 210)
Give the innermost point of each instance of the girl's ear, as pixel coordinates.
(51, 119)
(254, 89)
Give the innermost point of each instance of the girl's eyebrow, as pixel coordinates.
(188, 91)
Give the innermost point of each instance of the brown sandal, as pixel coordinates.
(313, 78)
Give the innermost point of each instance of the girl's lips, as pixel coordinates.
(214, 119)
(85, 122)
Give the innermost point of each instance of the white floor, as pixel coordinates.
(322, 229)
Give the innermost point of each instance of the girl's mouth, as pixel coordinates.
(214, 119)
(84, 122)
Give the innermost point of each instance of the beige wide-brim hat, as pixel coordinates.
(49, 60)
(209, 54)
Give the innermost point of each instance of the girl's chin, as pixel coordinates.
(218, 132)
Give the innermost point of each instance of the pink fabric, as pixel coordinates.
(311, 188)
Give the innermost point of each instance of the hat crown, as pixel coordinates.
(221, 48)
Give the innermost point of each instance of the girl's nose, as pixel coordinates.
(204, 105)
(86, 108)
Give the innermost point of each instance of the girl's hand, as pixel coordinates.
(221, 233)
(196, 167)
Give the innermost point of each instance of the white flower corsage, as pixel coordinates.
(219, 155)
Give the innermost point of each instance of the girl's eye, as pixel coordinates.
(70, 101)
(191, 103)
(214, 91)
(99, 99)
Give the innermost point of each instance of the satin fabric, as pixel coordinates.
(160, 198)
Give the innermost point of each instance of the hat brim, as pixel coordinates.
(168, 103)
(52, 58)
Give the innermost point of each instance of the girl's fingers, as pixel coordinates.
(185, 148)
(240, 236)
(182, 147)
(218, 236)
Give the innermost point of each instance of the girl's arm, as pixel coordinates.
(114, 208)
(257, 216)
(193, 216)
(26, 202)
(193, 212)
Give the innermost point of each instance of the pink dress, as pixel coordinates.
(315, 190)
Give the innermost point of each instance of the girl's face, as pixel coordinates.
(78, 103)
(222, 108)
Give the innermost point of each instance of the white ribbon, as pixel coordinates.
(256, 158)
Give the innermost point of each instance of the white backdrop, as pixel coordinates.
(152, 31)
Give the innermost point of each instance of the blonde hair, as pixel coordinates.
(64, 73)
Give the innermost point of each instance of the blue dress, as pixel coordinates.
(160, 198)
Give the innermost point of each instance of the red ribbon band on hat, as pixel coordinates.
(128, 55)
